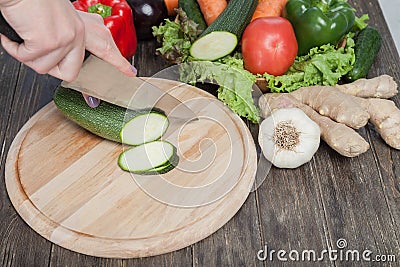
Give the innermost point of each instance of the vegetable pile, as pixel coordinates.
(310, 57)
(266, 48)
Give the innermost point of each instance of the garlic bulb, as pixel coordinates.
(289, 138)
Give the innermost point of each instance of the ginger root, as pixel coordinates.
(338, 110)
(385, 116)
(329, 101)
(383, 86)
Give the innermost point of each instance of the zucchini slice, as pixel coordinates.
(149, 158)
(144, 128)
(214, 45)
(159, 170)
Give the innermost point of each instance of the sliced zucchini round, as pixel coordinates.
(144, 128)
(153, 157)
(214, 45)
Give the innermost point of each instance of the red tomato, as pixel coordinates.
(269, 45)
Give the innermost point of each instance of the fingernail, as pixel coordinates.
(92, 101)
(134, 70)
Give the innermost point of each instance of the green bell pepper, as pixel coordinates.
(319, 22)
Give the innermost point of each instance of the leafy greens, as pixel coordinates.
(176, 37)
(235, 83)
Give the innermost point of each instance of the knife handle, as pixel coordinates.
(11, 34)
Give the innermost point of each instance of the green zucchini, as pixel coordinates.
(235, 17)
(150, 158)
(144, 128)
(214, 45)
(192, 10)
(111, 121)
(172, 163)
(367, 45)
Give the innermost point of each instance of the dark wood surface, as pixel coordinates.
(308, 208)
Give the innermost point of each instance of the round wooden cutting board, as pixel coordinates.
(66, 184)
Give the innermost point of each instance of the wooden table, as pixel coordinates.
(309, 208)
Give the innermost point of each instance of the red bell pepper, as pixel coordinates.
(118, 18)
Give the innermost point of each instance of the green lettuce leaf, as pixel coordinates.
(235, 83)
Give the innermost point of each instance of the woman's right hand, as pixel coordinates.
(53, 34)
(56, 35)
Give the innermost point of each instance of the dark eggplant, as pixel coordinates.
(147, 13)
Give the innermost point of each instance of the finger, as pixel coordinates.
(116, 59)
(20, 51)
(68, 68)
(134, 70)
(47, 62)
(71, 64)
(91, 101)
(10, 46)
(107, 50)
(40, 62)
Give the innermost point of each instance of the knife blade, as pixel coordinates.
(102, 80)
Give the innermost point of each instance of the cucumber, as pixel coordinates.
(234, 19)
(109, 121)
(192, 10)
(150, 158)
(214, 45)
(367, 45)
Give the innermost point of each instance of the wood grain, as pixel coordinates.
(66, 184)
(19, 244)
(332, 197)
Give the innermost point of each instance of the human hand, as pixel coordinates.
(56, 37)
(53, 34)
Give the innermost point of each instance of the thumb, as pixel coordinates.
(10, 46)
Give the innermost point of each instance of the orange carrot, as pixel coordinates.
(171, 5)
(269, 8)
(211, 9)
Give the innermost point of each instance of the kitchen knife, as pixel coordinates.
(102, 80)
